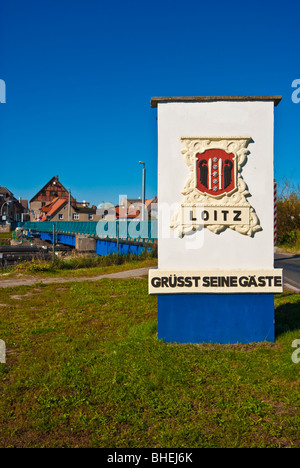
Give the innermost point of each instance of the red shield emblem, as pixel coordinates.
(216, 172)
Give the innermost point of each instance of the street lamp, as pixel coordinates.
(69, 213)
(5, 203)
(144, 190)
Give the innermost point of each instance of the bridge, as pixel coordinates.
(122, 237)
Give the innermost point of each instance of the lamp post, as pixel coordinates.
(5, 203)
(69, 212)
(143, 190)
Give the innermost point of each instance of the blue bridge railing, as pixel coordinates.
(133, 230)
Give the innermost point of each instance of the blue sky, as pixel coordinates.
(80, 75)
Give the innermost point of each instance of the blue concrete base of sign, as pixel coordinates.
(216, 318)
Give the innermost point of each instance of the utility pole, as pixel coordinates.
(53, 246)
(118, 236)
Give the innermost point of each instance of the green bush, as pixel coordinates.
(290, 238)
(35, 266)
(77, 262)
(288, 215)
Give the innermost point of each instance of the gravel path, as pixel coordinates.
(28, 281)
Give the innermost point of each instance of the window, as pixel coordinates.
(75, 216)
(90, 217)
(60, 216)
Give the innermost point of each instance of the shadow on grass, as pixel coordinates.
(287, 317)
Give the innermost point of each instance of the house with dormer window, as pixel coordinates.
(52, 190)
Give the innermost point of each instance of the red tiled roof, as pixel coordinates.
(24, 203)
(52, 207)
(130, 213)
(138, 202)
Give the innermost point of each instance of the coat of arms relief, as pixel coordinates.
(215, 194)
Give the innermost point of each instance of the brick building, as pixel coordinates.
(53, 189)
(11, 208)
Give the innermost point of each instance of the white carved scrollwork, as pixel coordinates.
(236, 145)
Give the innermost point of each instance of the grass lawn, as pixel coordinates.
(84, 369)
(6, 235)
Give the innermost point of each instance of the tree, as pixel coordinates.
(288, 213)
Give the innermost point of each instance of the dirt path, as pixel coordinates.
(29, 281)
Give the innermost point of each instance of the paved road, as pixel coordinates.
(291, 270)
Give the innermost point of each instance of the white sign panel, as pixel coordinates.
(215, 186)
